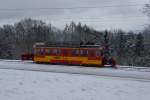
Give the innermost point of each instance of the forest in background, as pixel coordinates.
(128, 48)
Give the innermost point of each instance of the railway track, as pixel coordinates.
(108, 72)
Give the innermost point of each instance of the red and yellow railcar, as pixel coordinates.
(67, 55)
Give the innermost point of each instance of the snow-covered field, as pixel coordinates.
(31, 85)
(36, 85)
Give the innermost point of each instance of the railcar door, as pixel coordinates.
(65, 54)
(91, 54)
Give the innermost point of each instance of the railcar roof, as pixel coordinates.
(73, 47)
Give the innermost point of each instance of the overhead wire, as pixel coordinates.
(81, 7)
(69, 8)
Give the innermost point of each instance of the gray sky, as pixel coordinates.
(111, 14)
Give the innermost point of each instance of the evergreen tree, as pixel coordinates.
(120, 48)
(139, 45)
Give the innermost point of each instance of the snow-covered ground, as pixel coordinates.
(121, 72)
(32, 85)
(40, 82)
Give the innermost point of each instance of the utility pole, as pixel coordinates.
(106, 44)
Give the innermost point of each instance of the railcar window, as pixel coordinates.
(56, 51)
(98, 53)
(65, 52)
(83, 52)
(49, 51)
(37, 51)
(46, 51)
(41, 51)
(75, 52)
(102, 53)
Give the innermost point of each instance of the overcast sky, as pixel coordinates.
(111, 14)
